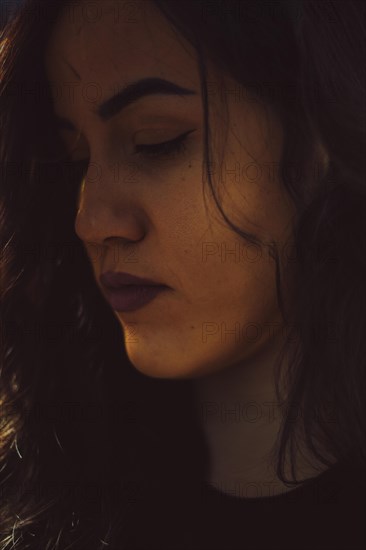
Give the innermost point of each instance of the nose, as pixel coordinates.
(108, 212)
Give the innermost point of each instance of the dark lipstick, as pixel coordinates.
(126, 292)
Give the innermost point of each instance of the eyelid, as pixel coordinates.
(164, 150)
(80, 158)
(159, 135)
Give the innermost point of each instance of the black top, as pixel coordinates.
(325, 512)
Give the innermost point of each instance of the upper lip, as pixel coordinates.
(115, 279)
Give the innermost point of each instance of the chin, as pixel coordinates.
(150, 364)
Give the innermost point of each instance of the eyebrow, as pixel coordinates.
(129, 94)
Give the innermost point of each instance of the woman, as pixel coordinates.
(182, 275)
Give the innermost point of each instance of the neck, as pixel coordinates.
(241, 418)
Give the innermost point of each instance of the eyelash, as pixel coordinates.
(167, 149)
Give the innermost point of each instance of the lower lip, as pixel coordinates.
(132, 297)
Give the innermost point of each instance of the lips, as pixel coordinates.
(126, 292)
(132, 297)
(115, 280)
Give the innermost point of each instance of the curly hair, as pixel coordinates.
(82, 443)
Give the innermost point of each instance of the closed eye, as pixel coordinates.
(166, 149)
(77, 169)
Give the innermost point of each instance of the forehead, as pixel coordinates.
(113, 44)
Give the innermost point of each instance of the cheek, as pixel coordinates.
(222, 313)
(218, 277)
(261, 208)
(232, 300)
(223, 306)
(243, 314)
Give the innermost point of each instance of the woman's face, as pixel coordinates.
(147, 215)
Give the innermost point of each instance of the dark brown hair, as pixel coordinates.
(84, 437)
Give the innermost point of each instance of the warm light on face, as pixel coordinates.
(145, 213)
